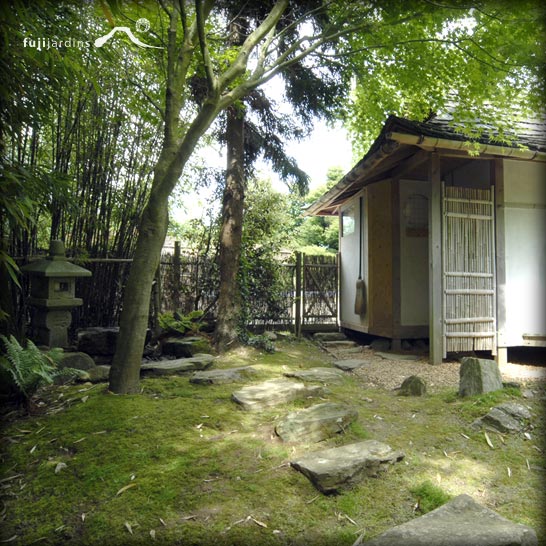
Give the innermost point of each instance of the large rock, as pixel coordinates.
(413, 386)
(460, 522)
(216, 377)
(321, 375)
(316, 423)
(507, 417)
(77, 361)
(350, 364)
(99, 374)
(478, 376)
(273, 392)
(180, 365)
(338, 468)
(98, 341)
(185, 347)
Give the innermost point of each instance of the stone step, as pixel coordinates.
(460, 522)
(342, 344)
(216, 377)
(274, 392)
(350, 364)
(316, 423)
(335, 469)
(320, 375)
(179, 365)
(329, 336)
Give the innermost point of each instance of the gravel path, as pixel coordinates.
(389, 374)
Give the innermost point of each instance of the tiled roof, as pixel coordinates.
(530, 133)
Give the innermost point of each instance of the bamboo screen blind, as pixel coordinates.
(468, 257)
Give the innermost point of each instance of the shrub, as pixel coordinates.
(30, 368)
(181, 324)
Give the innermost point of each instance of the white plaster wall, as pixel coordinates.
(413, 262)
(349, 266)
(525, 240)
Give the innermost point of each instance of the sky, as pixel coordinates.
(326, 147)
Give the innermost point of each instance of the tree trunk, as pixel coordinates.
(125, 369)
(231, 232)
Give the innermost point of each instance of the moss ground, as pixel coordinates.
(182, 464)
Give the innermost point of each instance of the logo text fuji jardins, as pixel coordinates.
(48, 43)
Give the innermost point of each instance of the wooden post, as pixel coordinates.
(396, 316)
(299, 293)
(500, 255)
(176, 275)
(436, 333)
(338, 287)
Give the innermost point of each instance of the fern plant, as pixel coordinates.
(31, 368)
(182, 324)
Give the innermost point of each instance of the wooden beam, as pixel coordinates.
(413, 162)
(436, 331)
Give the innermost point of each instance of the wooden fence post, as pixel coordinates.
(176, 275)
(299, 293)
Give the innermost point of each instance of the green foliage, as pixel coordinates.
(480, 62)
(29, 367)
(319, 232)
(182, 324)
(261, 342)
(429, 496)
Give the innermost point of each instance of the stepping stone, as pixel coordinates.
(274, 392)
(180, 365)
(316, 423)
(346, 344)
(329, 336)
(322, 375)
(460, 522)
(350, 364)
(397, 356)
(478, 376)
(215, 377)
(350, 350)
(507, 417)
(338, 468)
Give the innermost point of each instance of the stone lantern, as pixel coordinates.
(52, 295)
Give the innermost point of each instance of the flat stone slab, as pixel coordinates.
(350, 364)
(316, 423)
(460, 522)
(396, 356)
(342, 344)
(274, 392)
(322, 375)
(338, 468)
(216, 377)
(179, 365)
(507, 417)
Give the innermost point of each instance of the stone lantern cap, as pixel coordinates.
(56, 264)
